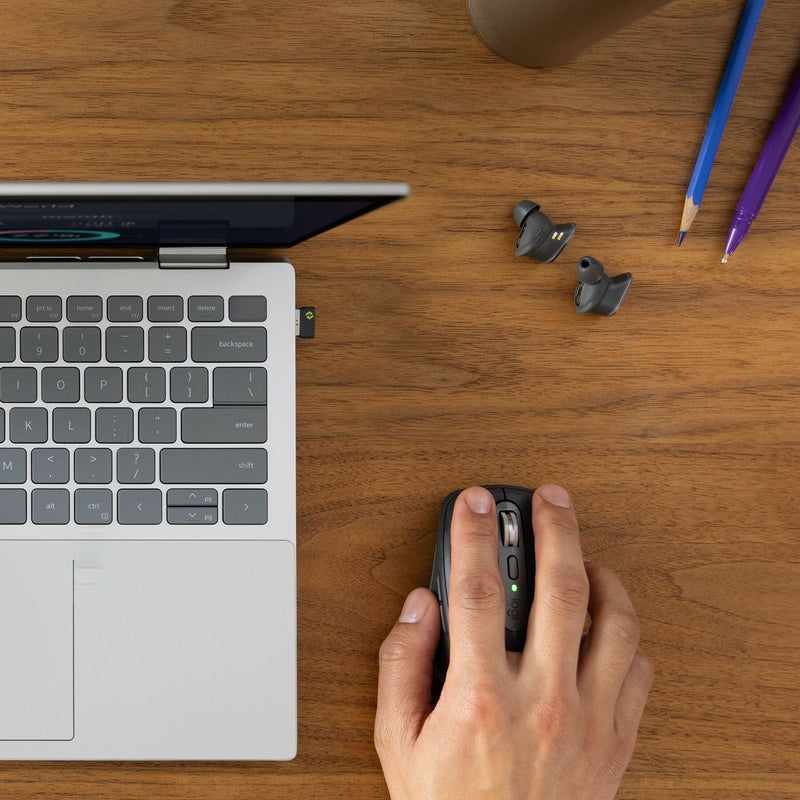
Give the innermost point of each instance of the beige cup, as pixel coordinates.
(540, 33)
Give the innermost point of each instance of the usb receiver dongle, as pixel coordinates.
(305, 322)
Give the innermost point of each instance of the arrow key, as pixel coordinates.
(191, 497)
(139, 506)
(244, 507)
(188, 515)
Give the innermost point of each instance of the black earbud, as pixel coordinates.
(596, 293)
(538, 238)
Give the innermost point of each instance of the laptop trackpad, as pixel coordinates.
(36, 640)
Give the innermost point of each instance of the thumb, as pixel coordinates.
(406, 671)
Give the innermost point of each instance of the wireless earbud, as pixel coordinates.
(538, 238)
(596, 293)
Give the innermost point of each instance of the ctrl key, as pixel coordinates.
(13, 507)
(93, 506)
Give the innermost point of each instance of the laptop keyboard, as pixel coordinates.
(133, 409)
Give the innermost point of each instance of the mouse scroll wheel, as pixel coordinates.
(510, 528)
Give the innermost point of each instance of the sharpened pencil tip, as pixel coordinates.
(681, 237)
(725, 258)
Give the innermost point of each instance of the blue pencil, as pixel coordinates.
(719, 116)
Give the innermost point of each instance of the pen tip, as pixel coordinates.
(681, 237)
(725, 258)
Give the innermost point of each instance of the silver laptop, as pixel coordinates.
(147, 466)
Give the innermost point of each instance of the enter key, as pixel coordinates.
(224, 425)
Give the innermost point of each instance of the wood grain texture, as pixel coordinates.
(442, 361)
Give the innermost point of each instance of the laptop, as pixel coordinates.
(147, 465)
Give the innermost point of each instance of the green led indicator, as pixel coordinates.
(514, 587)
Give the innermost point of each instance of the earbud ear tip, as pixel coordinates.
(522, 209)
(538, 238)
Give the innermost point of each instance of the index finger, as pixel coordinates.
(477, 597)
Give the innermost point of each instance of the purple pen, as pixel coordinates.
(766, 168)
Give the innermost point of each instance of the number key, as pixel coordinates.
(39, 344)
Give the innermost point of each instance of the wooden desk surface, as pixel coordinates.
(441, 360)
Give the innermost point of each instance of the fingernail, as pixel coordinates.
(478, 500)
(414, 608)
(555, 495)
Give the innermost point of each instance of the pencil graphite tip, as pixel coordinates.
(681, 237)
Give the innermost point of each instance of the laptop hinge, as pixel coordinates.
(193, 258)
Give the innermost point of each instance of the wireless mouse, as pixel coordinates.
(515, 555)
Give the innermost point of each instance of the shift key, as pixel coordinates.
(215, 343)
(204, 465)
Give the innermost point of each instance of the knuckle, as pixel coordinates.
(555, 718)
(560, 521)
(613, 766)
(479, 591)
(395, 647)
(483, 708)
(623, 626)
(644, 667)
(477, 531)
(567, 593)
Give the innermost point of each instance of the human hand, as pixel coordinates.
(556, 722)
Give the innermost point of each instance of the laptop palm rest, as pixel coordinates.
(178, 648)
(36, 641)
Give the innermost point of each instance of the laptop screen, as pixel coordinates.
(165, 214)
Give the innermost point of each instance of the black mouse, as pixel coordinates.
(516, 559)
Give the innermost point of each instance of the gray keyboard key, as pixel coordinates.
(188, 384)
(27, 425)
(221, 424)
(157, 425)
(10, 308)
(2, 424)
(50, 506)
(92, 465)
(13, 465)
(124, 344)
(50, 465)
(214, 465)
(165, 308)
(102, 385)
(206, 308)
(191, 497)
(166, 344)
(13, 506)
(84, 309)
(218, 343)
(124, 308)
(81, 344)
(136, 465)
(240, 386)
(8, 345)
(113, 425)
(181, 515)
(244, 507)
(139, 506)
(247, 308)
(38, 344)
(61, 384)
(147, 385)
(71, 425)
(43, 309)
(93, 506)
(18, 384)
